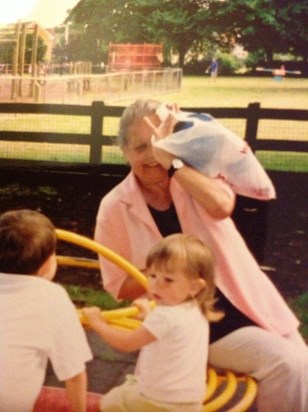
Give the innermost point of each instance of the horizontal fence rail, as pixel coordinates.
(98, 137)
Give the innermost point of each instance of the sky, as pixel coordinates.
(47, 13)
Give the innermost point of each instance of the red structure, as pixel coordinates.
(134, 56)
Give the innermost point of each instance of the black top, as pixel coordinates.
(168, 223)
(233, 319)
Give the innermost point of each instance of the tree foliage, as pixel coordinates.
(179, 25)
(293, 18)
(266, 26)
(7, 51)
(261, 26)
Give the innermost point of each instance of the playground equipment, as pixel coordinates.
(133, 69)
(129, 57)
(280, 73)
(222, 388)
(16, 35)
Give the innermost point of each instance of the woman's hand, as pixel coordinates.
(217, 199)
(167, 120)
(164, 129)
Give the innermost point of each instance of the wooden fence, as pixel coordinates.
(96, 140)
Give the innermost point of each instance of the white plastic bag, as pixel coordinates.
(210, 147)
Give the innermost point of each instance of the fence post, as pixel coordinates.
(96, 133)
(253, 115)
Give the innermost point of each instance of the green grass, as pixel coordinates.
(200, 91)
(285, 161)
(300, 307)
(85, 296)
(46, 123)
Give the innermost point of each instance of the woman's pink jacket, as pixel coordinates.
(125, 225)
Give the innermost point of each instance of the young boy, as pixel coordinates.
(37, 319)
(172, 363)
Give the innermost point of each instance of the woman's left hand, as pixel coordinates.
(164, 129)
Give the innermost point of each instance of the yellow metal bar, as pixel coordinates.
(126, 323)
(221, 400)
(109, 315)
(112, 314)
(104, 251)
(248, 397)
(78, 262)
(212, 383)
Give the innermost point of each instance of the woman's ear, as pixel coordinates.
(196, 286)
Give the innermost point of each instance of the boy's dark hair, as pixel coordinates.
(27, 240)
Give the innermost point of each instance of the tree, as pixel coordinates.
(106, 21)
(265, 26)
(178, 25)
(41, 50)
(7, 51)
(293, 17)
(261, 26)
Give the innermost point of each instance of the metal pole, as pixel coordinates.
(34, 59)
(22, 51)
(15, 61)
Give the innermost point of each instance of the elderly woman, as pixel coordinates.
(163, 195)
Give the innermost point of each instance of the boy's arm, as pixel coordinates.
(76, 389)
(125, 341)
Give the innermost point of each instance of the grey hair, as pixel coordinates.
(140, 108)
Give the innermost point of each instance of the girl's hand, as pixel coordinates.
(92, 315)
(144, 305)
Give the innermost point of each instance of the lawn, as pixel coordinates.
(200, 91)
(196, 91)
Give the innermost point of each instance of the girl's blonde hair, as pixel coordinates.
(192, 257)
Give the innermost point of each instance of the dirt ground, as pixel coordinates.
(276, 232)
